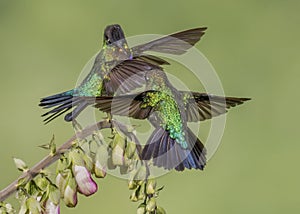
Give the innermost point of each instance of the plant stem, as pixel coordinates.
(51, 158)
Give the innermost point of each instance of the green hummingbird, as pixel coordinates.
(172, 144)
(114, 64)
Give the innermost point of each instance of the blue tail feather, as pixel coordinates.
(62, 103)
(169, 154)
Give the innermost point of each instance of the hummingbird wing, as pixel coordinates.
(128, 75)
(125, 105)
(177, 43)
(152, 59)
(202, 106)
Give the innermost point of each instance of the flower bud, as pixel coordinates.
(62, 164)
(151, 205)
(70, 193)
(6, 208)
(133, 197)
(53, 194)
(137, 194)
(51, 208)
(21, 165)
(33, 206)
(100, 165)
(61, 180)
(118, 150)
(76, 158)
(130, 149)
(88, 162)
(132, 184)
(141, 209)
(86, 185)
(150, 186)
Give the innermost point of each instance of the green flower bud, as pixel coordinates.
(117, 139)
(118, 153)
(88, 161)
(150, 186)
(76, 158)
(100, 165)
(62, 164)
(138, 194)
(141, 209)
(133, 197)
(132, 184)
(130, 149)
(54, 194)
(151, 205)
(33, 206)
(21, 165)
(6, 208)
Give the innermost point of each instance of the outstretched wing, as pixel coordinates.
(202, 106)
(199, 106)
(125, 105)
(177, 43)
(127, 75)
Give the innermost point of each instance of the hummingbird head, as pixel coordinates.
(115, 43)
(155, 79)
(113, 33)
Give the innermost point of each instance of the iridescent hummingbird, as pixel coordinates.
(172, 144)
(115, 64)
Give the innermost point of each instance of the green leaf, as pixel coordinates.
(54, 194)
(22, 182)
(52, 146)
(42, 183)
(160, 210)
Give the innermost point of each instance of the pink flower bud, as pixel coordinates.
(70, 193)
(61, 182)
(86, 185)
(51, 208)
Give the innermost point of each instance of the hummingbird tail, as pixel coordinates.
(169, 154)
(62, 103)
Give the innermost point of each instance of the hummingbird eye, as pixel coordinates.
(107, 40)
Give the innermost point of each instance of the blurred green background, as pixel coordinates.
(254, 47)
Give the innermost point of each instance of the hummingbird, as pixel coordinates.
(116, 63)
(172, 144)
